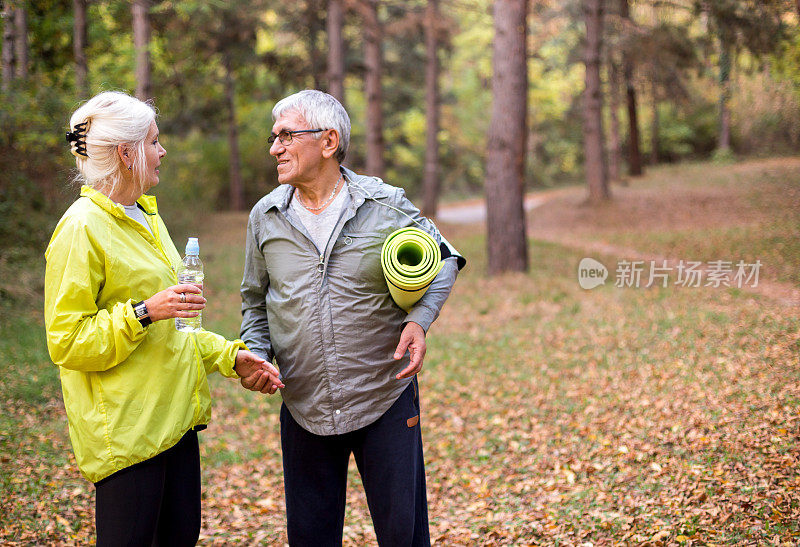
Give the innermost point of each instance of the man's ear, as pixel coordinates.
(330, 143)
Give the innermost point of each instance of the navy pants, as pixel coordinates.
(388, 454)
(154, 502)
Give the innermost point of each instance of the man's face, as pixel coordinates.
(299, 162)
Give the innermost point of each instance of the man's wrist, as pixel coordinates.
(141, 313)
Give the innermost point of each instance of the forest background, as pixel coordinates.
(649, 128)
(704, 76)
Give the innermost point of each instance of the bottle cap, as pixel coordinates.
(192, 247)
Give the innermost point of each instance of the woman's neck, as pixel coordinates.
(124, 194)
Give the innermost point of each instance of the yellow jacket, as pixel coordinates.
(130, 392)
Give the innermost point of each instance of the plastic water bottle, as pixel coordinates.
(191, 271)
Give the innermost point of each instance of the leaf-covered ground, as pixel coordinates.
(552, 415)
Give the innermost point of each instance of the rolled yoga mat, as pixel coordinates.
(410, 259)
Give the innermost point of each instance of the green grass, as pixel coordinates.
(28, 376)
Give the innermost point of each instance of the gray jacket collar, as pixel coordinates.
(280, 197)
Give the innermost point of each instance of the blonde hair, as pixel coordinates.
(113, 118)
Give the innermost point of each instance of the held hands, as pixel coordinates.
(413, 340)
(256, 373)
(182, 300)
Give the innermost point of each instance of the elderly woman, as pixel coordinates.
(135, 389)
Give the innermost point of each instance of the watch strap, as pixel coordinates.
(140, 310)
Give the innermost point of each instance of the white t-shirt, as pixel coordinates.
(136, 214)
(320, 227)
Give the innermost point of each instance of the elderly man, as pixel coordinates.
(314, 298)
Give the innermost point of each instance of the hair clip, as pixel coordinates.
(78, 136)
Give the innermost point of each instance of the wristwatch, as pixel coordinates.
(140, 310)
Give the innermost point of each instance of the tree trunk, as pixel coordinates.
(635, 168)
(655, 126)
(505, 161)
(430, 182)
(374, 93)
(634, 154)
(141, 44)
(336, 49)
(236, 195)
(724, 143)
(593, 146)
(615, 150)
(79, 48)
(21, 40)
(8, 46)
(313, 23)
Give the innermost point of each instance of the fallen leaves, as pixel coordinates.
(550, 415)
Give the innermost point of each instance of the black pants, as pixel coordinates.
(388, 454)
(154, 502)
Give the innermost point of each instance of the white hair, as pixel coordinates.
(321, 111)
(113, 118)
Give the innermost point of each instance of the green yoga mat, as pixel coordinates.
(410, 259)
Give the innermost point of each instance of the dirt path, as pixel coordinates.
(782, 293)
(656, 203)
(473, 211)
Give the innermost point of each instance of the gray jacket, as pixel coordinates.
(328, 320)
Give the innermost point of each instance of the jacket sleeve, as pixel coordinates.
(255, 283)
(427, 309)
(79, 335)
(218, 354)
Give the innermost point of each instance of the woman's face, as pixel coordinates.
(153, 152)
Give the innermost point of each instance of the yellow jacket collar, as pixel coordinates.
(148, 203)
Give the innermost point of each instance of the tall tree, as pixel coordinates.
(373, 63)
(221, 61)
(8, 45)
(430, 181)
(740, 25)
(307, 23)
(315, 25)
(668, 51)
(655, 128)
(79, 47)
(655, 69)
(21, 40)
(724, 141)
(635, 168)
(614, 149)
(593, 136)
(505, 162)
(335, 24)
(141, 42)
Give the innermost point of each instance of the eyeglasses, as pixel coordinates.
(285, 136)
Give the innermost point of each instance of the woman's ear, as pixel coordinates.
(330, 143)
(122, 150)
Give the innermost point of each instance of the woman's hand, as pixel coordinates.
(256, 373)
(182, 300)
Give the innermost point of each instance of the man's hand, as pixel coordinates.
(256, 373)
(413, 340)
